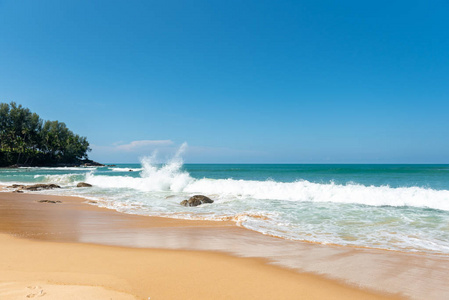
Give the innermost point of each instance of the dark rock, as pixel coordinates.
(83, 184)
(92, 202)
(34, 187)
(40, 186)
(18, 191)
(92, 163)
(16, 186)
(196, 200)
(130, 170)
(14, 166)
(49, 201)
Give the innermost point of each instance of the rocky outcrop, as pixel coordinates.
(91, 163)
(83, 184)
(34, 187)
(15, 186)
(196, 200)
(39, 187)
(16, 166)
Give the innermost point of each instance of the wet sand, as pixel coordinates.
(72, 246)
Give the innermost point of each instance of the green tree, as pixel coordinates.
(26, 139)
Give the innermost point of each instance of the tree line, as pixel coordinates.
(26, 139)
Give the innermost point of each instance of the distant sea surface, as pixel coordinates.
(396, 207)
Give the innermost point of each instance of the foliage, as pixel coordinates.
(26, 139)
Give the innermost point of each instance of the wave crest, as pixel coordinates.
(171, 177)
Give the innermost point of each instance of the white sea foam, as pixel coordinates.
(171, 178)
(317, 192)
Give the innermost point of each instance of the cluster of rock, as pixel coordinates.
(35, 187)
(196, 200)
(92, 164)
(17, 166)
(19, 188)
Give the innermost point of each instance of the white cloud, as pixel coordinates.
(143, 145)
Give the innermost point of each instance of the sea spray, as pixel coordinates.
(153, 177)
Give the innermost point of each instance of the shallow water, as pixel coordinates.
(398, 207)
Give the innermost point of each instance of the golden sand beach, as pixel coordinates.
(72, 250)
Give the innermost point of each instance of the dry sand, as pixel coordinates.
(44, 255)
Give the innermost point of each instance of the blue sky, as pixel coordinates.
(239, 81)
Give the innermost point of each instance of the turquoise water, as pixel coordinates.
(398, 207)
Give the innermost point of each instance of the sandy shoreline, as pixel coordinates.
(61, 248)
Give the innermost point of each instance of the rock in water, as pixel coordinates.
(92, 163)
(16, 186)
(34, 187)
(39, 187)
(83, 184)
(196, 200)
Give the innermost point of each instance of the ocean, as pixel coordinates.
(392, 207)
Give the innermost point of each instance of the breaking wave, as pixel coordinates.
(172, 178)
